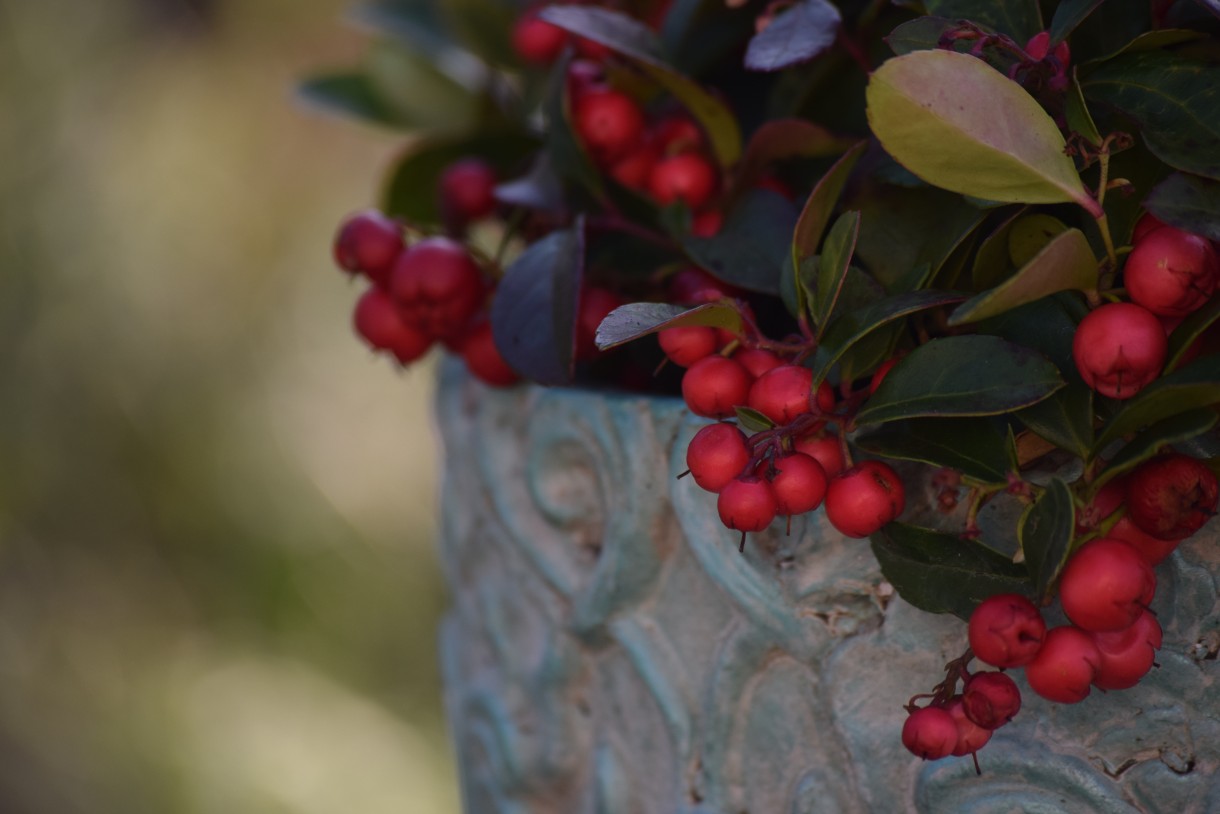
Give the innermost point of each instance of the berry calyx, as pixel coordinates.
(1119, 349)
(467, 191)
(608, 122)
(1127, 655)
(991, 699)
(717, 455)
(378, 322)
(799, 484)
(1171, 272)
(1065, 667)
(1106, 585)
(438, 287)
(930, 733)
(368, 243)
(746, 504)
(1172, 496)
(862, 499)
(714, 386)
(687, 177)
(1006, 630)
(686, 345)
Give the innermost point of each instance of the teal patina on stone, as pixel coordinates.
(609, 651)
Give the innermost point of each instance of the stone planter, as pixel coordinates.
(608, 649)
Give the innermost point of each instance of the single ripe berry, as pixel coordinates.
(1171, 496)
(608, 123)
(746, 504)
(634, 169)
(1119, 349)
(1006, 630)
(799, 484)
(692, 285)
(468, 190)
(825, 449)
(783, 393)
(930, 733)
(1148, 222)
(1171, 272)
(970, 736)
(378, 322)
(1153, 549)
(479, 351)
(862, 499)
(368, 243)
(757, 360)
(1106, 585)
(717, 455)
(677, 134)
(686, 345)
(991, 699)
(1127, 655)
(595, 304)
(714, 386)
(1065, 666)
(707, 223)
(438, 287)
(686, 177)
(536, 41)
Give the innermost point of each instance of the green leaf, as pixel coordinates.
(991, 263)
(485, 25)
(350, 94)
(1047, 325)
(1018, 19)
(1196, 385)
(958, 123)
(533, 314)
(1065, 419)
(421, 94)
(1176, 102)
(1079, 120)
(641, 45)
(976, 447)
(797, 35)
(1187, 202)
(1150, 41)
(920, 34)
(631, 321)
(781, 139)
(816, 212)
(751, 247)
(940, 573)
(1148, 443)
(1068, 15)
(1065, 263)
(1030, 234)
(1189, 330)
(849, 329)
(752, 420)
(832, 268)
(962, 375)
(1045, 534)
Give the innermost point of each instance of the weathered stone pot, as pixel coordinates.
(608, 649)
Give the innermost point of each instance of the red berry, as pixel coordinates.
(930, 733)
(1006, 630)
(707, 223)
(775, 185)
(1127, 655)
(595, 304)
(694, 286)
(481, 355)
(686, 345)
(634, 169)
(438, 287)
(608, 123)
(746, 504)
(536, 41)
(593, 50)
(1148, 222)
(970, 736)
(1105, 585)
(1153, 549)
(687, 177)
(1039, 46)
(991, 699)
(1171, 496)
(1171, 272)
(717, 455)
(368, 243)
(467, 190)
(378, 322)
(880, 374)
(825, 449)
(783, 393)
(714, 386)
(1119, 349)
(799, 484)
(862, 499)
(757, 360)
(1065, 666)
(677, 134)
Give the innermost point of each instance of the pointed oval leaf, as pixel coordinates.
(832, 268)
(1030, 234)
(1046, 535)
(799, 34)
(752, 420)
(976, 447)
(631, 321)
(1079, 119)
(991, 263)
(1187, 202)
(958, 123)
(1148, 443)
(959, 376)
(1065, 419)
(1019, 19)
(750, 249)
(1068, 15)
(816, 212)
(1064, 264)
(1189, 330)
(1196, 385)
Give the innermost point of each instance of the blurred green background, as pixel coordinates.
(217, 586)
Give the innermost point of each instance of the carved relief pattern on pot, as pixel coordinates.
(608, 650)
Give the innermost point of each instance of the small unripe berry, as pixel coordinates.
(438, 287)
(714, 386)
(757, 360)
(595, 305)
(378, 322)
(1171, 272)
(930, 733)
(1127, 655)
(1006, 630)
(1171, 496)
(536, 41)
(717, 455)
(746, 504)
(608, 123)
(686, 345)
(467, 190)
(1119, 349)
(687, 177)
(479, 351)
(825, 449)
(799, 484)
(1105, 585)
(368, 243)
(970, 736)
(1153, 549)
(991, 699)
(1065, 666)
(862, 499)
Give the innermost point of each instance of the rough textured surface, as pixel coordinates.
(609, 650)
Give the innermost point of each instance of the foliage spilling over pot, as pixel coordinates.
(973, 235)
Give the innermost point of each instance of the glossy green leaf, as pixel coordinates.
(1189, 330)
(1196, 385)
(832, 268)
(1175, 100)
(750, 249)
(821, 203)
(1079, 119)
(1148, 443)
(1065, 419)
(804, 30)
(752, 420)
(1149, 41)
(976, 447)
(1065, 263)
(1030, 234)
(1048, 326)
(992, 264)
(1045, 534)
(637, 319)
(1068, 15)
(962, 376)
(350, 94)
(920, 34)
(1187, 202)
(640, 44)
(940, 573)
(958, 123)
(1018, 19)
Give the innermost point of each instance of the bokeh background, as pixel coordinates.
(217, 585)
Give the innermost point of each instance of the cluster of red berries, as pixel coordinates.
(1104, 590)
(1121, 347)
